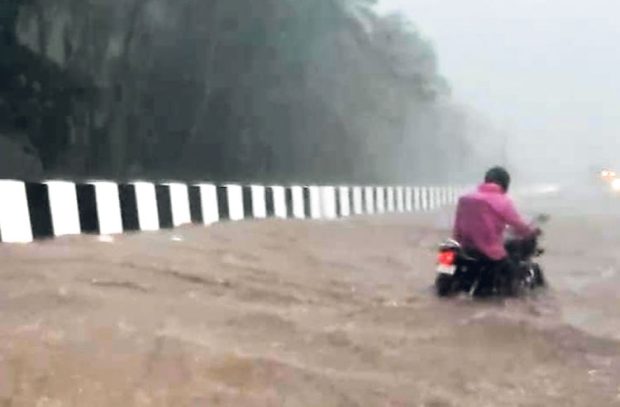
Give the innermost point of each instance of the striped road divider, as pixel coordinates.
(40, 210)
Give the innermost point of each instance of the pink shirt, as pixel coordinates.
(482, 217)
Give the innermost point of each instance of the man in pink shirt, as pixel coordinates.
(483, 215)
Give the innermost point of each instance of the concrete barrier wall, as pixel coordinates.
(30, 211)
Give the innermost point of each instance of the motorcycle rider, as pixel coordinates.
(481, 220)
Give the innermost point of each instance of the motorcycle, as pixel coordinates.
(465, 271)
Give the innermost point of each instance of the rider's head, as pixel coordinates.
(498, 176)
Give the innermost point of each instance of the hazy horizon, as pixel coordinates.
(545, 71)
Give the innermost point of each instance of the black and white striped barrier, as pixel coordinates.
(31, 210)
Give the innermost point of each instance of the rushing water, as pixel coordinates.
(302, 314)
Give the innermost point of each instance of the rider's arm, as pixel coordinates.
(514, 219)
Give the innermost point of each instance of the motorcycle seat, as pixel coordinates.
(475, 256)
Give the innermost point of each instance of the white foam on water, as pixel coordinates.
(105, 239)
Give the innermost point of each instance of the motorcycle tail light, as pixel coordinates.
(446, 258)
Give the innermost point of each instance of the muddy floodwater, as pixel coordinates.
(292, 313)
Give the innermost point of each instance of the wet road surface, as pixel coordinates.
(287, 313)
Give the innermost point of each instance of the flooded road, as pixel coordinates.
(287, 313)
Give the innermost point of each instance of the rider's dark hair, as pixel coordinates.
(499, 176)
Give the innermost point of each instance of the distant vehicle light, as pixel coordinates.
(608, 175)
(615, 184)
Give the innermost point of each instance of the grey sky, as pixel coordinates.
(545, 70)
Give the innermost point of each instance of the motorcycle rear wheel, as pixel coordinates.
(445, 285)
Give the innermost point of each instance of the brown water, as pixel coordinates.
(278, 313)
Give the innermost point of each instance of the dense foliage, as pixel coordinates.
(280, 90)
